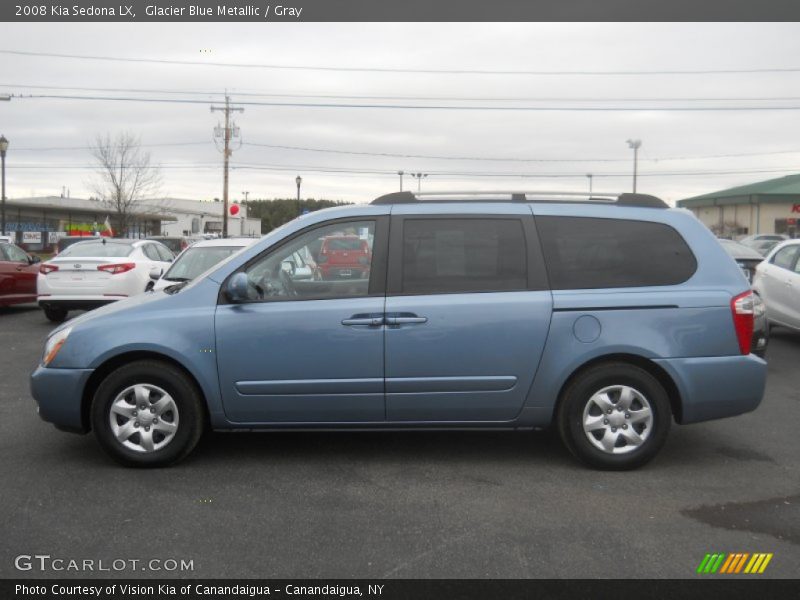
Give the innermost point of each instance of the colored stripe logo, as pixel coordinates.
(734, 563)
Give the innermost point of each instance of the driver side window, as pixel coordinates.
(332, 261)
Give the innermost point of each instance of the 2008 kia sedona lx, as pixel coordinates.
(607, 318)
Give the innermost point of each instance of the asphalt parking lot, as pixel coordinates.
(345, 505)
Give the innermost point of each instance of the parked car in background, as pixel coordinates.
(196, 259)
(344, 257)
(752, 240)
(605, 320)
(764, 247)
(97, 271)
(746, 257)
(18, 271)
(176, 243)
(777, 281)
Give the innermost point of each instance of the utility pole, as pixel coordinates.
(589, 175)
(3, 149)
(246, 194)
(230, 130)
(635, 144)
(401, 173)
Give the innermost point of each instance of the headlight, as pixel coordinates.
(54, 344)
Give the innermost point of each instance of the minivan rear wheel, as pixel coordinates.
(147, 414)
(614, 416)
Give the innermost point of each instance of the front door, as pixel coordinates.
(467, 314)
(307, 349)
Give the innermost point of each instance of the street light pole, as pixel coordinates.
(419, 177)
(589, 175)
(298, 180)
(401, 173)
(3, 148)
(635, 144)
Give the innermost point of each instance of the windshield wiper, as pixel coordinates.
(177, 279)
(176, 287)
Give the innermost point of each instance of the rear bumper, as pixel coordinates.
(58, 393)
(717, 387)
(77, 303)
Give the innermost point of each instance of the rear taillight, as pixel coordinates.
(44, 268)
(117, 269)
(743, 311)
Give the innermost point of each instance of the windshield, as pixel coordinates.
(99, 249)
(195, 261)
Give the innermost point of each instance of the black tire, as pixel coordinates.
(56, 315)
(172, 380)
(576, 398)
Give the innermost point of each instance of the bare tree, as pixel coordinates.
(125, 177)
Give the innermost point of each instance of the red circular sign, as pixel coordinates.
(234, 209)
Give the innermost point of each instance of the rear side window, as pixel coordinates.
(590, 253)
(463, 255)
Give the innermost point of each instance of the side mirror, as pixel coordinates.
(289, 267)
(155, 273)
(34, 260)
(236, 288)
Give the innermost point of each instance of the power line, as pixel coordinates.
(402, 70)
(406, 97)
(462, 174)
(427, 106)
(432, 156)
(62, 148)
(512, 159)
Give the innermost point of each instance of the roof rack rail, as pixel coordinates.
(625, 199)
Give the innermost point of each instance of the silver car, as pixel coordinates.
(777, 281)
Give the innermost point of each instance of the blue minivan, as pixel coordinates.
(606, 317)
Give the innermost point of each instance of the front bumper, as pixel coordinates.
(717, 387)
(59, 394)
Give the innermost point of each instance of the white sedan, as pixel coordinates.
(95, 272)
(197, 259)
(777, 281)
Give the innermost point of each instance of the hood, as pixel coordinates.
(114, 307)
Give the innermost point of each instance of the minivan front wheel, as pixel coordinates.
(614, 416)
(147, 414)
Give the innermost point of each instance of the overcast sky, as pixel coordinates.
(194, 170)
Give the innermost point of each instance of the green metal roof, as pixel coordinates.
(782, 186)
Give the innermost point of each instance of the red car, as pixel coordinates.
(344, 257)
(18, 271)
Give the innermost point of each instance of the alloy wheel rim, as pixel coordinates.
(143, 418)
(617, 419)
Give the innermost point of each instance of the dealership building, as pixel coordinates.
(37, 223)
(771, 206)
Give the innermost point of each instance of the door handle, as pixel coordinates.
(406, 320)
(359, 320)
